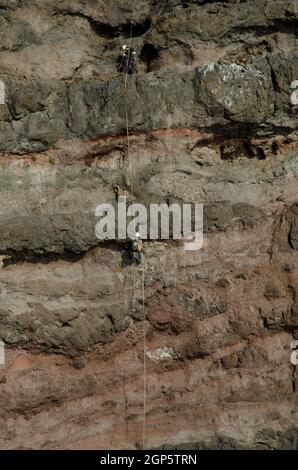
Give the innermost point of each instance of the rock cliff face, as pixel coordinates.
(212, 116)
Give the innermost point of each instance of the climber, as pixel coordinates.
(126, 61)
(137, 249)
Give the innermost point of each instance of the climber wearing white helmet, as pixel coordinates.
(126, 62)
(137, 248)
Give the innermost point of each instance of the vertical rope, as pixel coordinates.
(131, 173)
(130, 39)
(130, 165)
(144, 357)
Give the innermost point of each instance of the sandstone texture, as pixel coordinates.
(213, 119)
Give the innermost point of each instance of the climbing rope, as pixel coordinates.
(130, 164)
(144, 358)
(131, 183)
(130, 40)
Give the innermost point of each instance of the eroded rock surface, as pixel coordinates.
(212, 121)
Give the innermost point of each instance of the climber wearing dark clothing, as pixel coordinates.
(137, 249)
(126, 62)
